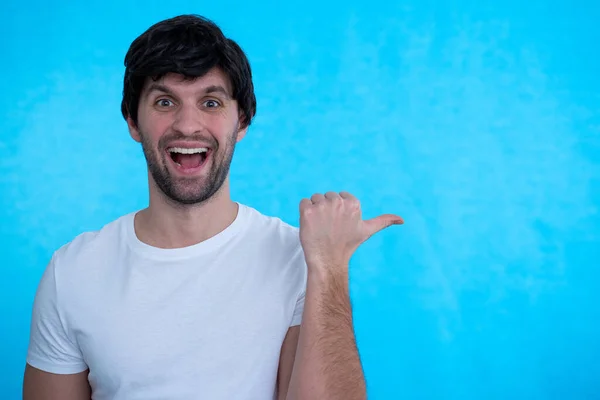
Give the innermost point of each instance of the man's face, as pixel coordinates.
(188, 130)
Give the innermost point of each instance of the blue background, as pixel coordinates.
(479, 124)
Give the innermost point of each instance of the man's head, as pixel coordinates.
(188, 98)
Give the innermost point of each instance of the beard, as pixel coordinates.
(192, 190)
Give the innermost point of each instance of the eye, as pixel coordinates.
(164, 103)
(211, 103)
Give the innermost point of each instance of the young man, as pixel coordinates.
(198, 296)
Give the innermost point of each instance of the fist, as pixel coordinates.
(332, 228)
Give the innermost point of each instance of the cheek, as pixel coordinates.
(222, 130)
(153, 130)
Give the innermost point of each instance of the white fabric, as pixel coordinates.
(201, 322)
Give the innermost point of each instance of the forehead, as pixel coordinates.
(177, 83)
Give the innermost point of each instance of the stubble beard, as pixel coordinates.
(194, 190)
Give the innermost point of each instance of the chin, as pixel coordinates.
(190, 196)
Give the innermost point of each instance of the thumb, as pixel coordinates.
(377, 224)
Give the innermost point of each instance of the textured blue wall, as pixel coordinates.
(478, 124)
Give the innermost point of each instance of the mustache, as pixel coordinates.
(166, 139)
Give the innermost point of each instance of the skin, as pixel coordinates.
(187, 110)
(318, 359)
(327, 363)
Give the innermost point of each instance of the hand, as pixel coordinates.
(332, 228)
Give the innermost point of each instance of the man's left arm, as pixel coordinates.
(326, 363)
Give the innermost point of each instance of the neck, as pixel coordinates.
(167, 225)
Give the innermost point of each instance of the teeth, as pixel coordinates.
(188, 151)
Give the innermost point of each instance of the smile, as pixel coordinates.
(188, 159)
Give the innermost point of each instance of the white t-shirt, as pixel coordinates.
(201, 322)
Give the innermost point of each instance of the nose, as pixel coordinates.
(188, 120)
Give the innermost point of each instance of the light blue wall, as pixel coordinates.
(480, 125)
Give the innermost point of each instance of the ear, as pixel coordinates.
(242, 131)
(133, 130)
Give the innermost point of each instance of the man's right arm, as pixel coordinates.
(41, 385)
(55, 368)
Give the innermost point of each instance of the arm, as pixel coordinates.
(286, 361)
(55, 369)
(327, 364)
(41, 385)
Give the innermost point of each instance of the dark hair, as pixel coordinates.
(189, 45)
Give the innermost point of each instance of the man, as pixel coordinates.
(198, 296)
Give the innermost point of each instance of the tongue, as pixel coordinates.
(187, 160)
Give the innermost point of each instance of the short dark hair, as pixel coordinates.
(189, 45)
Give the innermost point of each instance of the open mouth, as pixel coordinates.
(188, 158)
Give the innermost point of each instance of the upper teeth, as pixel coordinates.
(188, 151)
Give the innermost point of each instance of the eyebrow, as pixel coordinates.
(217, 89)
(157, 87)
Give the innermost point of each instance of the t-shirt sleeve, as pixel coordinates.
(301, 273)
(298, 310)
(51, 347)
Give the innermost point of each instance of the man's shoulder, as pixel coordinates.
(279, 242)
(92, 243)
(271, 227)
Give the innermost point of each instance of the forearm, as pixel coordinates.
(327, 362)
